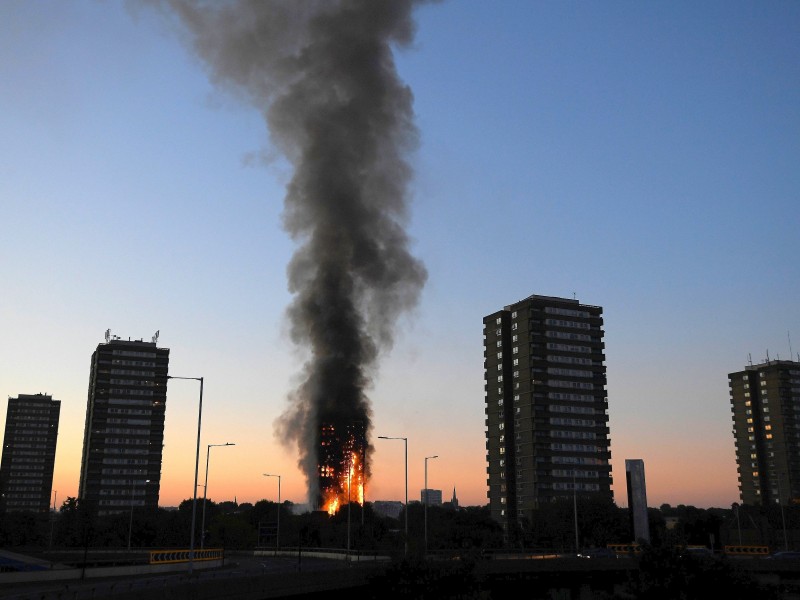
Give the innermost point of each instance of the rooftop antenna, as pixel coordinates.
(750, 359)
(108, 335)
(155, 336)
(790, 345)
(767, 354)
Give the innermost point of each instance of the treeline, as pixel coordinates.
(593, 522)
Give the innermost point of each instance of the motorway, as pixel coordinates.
(242, 576)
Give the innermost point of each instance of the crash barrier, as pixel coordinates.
(746, 550)
(161, 557)
(625, 548)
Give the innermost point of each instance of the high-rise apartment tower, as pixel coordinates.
(29, 452)
(765, 401)
(124, 432)
(547, 430)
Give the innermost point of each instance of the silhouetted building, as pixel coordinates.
(29, 452)
(637, 499)
(434, 497)
(546, 420)
(765, 401)
(124, 432)
(388, 508)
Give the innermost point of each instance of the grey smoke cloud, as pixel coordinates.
(323, 75)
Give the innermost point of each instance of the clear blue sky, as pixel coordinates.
(643, 156)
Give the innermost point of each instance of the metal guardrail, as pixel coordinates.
(163, 557)
(746, 550)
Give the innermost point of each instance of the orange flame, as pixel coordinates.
(348, 488)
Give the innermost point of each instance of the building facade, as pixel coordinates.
(430, 497)
(765, 402)
(546, 406)
(29, 453)
(124, 432)
(637, 499)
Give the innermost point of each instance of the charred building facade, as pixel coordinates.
(124, 432)
(29, 453)
(547, 432)
(765, 401)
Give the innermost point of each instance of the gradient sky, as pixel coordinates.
(641, 156)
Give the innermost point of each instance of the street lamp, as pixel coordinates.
(405, 440)
(426, 501)
(205, 493)
(196, 469)
(278, 531)
(130, 521)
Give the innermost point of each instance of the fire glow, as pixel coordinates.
(342, 472)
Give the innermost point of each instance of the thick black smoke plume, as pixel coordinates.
(323, 75)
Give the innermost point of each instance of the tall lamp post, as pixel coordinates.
(405, 440)
(426, 501)
(278, 531)
(205, 494)
(196, 469)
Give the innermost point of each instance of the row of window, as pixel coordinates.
(583, 337)
(573, 435)
(125, 451)
(573, 422)
(569, 372)
(130, 402)
(127, 441)
(563, 323)
(133, 363)
(132, 372)
(130, 411)
(37, 424)
(115, 502)
(570, 384)
(131, 421)
(132, 382)
(117, 352)
(131, 392)
(566, 312)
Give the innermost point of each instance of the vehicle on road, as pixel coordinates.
(597, 553)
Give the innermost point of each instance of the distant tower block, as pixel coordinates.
(637, 498)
